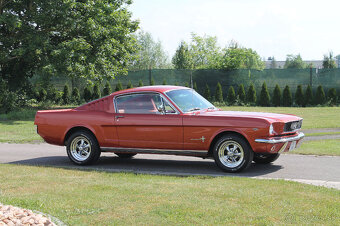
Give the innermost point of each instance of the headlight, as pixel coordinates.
(271, 129)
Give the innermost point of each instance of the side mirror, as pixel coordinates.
(161, 109)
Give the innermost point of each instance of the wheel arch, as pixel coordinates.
(75, 129)
(223, 133)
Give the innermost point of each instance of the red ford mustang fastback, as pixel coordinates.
(168, 120)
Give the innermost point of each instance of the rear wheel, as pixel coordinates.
(265, 158)
(125, 155)
(82, 148)
(232, 153)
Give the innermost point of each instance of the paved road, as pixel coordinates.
(317, 170)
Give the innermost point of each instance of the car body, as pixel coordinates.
(168, 120)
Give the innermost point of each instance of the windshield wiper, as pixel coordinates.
(194, 109)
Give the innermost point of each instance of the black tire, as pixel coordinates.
(82, 148)
(239, 156)
(265, 158)
(125, 155)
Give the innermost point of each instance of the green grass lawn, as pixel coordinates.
(319, 147)
(100, 198)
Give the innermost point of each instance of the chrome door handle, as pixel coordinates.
(119, 116)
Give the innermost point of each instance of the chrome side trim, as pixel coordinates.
(280, 140)
(155, 151)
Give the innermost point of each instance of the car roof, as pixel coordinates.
(157, 88)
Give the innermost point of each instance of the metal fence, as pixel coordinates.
(328, 78)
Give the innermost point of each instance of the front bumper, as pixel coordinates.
(281, 144)
(281, 140)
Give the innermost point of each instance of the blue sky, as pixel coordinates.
(272, 28)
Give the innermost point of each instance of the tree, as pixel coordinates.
(152, 82)
(96, 92)
(299, 97)
(331, 96)
(264, 95)
(90, 39)
(42, 95)
(273, 63)
(164, 82)
(207, 92)
(251, 94)
(237, 57)
(287, 98)
(294, 62)
(328, 61)
(87, 93)
(129, 85)
(308, 96)
(276, 100)
(231, 97)
(182, 58)
(149, 54)
(107, 89)
(66, 94)
(119, 86)
(75, 95)
(140, 83)
(320, 97)
(195, 86)
(241, 93)
(219, 93)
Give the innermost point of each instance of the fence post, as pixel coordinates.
(311, 77)
(191, 82)
(149, 75)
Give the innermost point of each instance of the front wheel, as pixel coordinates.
(82, 148)
(232, 154)
(265, 158)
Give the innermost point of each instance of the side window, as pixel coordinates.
(168, 108)
(138, 103)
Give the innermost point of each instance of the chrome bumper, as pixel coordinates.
(281, 140)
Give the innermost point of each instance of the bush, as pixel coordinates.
(276, 100)
(152, 82)
(320, 97)
(75, 95)
(129, 85)
(231, 97)
(299, 98)
(195, 87)
(164, 82)
(186, 84)
(140, 84)
(264, 95)
(308, 98)
(176, 84)
(119, 86)
(251, 94)
(8, 101)
(96, 92)
(287, 98)
(87, 93)
(331, 96)
(107, 89)
(207, 92)
(241, 94)
(42, 95)
(66, 95)
(219, 93)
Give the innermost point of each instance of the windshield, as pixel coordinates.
(188, 100)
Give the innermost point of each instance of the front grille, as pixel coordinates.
(292, 126)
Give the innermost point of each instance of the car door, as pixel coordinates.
(141, 123)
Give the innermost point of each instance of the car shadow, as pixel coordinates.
(151, 166)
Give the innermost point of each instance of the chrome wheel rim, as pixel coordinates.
(80, 148)
(230, 154)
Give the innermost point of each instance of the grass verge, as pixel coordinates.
(101, 198)
(319, 147)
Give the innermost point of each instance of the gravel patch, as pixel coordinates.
(15, 216)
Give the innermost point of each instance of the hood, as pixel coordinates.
(272, 117)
